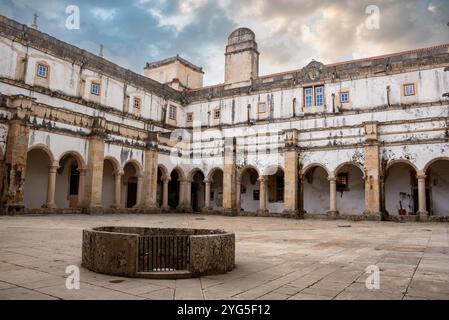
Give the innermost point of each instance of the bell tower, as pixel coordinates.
(241, 58)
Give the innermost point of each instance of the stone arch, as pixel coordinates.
(69, 180)
(78, 157)
(37, 173)
(137, 166)
(194, 171)
(427, 166)
(315, 164)
(437, 186)
(212, 172)
(315, 188)
(270, 170)
(45, 149)
(350, 163)
(400, 187)
(164, 171)
(111, 167)
(242, 170)
(180, 172)
(115, 163)
(350, 188)
(404, 161)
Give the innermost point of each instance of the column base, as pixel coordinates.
(332, 214)
(206, 210)
(165, 209)
(150, 210)
(92, 210)
(373, 216)
(230, 212)
(49, 206)
(423, 215)
(11, 209)
(184, 208)
(262, 212)
(293, 214)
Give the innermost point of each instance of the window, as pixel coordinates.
(344, 97)
(342, 182)
(190, 117)
(172, 112)
(217, 114)
(42, 70)
(74, 179)
(255, 194)
(95, 88)
(319, 96)
(314, 95)
(136, 103)
(262, 107)
(212, 196)
(308, 97)
(409, 89)
(242, 189)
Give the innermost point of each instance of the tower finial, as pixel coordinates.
(101, 50)
(34, 24)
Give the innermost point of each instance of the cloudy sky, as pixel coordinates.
(289, 32)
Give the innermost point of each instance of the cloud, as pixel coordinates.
(290, 33)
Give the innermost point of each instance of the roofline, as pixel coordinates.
(155, 64)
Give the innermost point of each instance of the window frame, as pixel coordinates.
(339, 186)
(40, 64)
(264, 108)
(341, 97)
(172, 115)
(97, 83)
(189, 117)
(139, 104)
(405, 89)
(316, 95)
(307, 95)
(217, 112)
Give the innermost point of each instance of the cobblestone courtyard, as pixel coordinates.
(275, 259)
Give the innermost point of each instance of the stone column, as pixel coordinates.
(139, 192)
(149, 183)
(182, 190)
(333, 212)
(188, 196)
(207, 206)
(423, 214)
(117, 189)
(372, 173)
(16, 154)
(238, 194)
(51, 186)
(301, 196)
(81, 187)
(291, 153)
(93, 184)
(262, 196)
(229, 177)
(165, 182)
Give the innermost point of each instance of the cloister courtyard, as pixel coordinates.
(275, 259)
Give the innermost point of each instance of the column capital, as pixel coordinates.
(207, 181)
(421, 176)
(82, 171)
(262, 179)
(53, 168)
(332, 179)
(166, 179)
(118, 173)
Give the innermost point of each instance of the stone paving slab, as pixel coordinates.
(275, 259)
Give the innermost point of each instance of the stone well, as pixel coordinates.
(158, 253)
